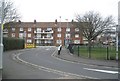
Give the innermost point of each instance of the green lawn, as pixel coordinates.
(96, 53)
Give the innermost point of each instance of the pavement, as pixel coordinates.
(66, 55)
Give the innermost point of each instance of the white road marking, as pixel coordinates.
(50, 69)
(53, 55)
(104, 71)
(53, 70)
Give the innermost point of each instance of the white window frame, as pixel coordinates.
(29, 40)
(68, 35)
(59, 29)
(21, 29)
(21, 35)
(13, 34)
(29, 29)
(77, 35)
(59, 35)
(59, 41)
(67, 29)
(13, 29)
(39, 29)
(76, 29)
(29, 35)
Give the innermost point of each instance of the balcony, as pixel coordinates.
(5, 31)
(44, 31)
(45, 38)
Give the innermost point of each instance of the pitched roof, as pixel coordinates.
(38, 24)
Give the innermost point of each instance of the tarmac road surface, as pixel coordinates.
(40, 63)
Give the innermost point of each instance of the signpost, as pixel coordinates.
(1, 33)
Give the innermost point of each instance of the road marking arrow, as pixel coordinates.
(104, 71)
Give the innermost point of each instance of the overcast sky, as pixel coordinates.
(49, 10)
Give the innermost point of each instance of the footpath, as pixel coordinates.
(66, 55)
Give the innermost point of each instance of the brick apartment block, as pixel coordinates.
(44, 33)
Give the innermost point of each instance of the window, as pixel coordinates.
(38, 35)
(29, 29)
(37, 41)
(59, 29)
(76, 29)
(29, 41)
(76, 35)
(5, 31)
(38, 29)
(49, 29)
(67, 29)
(77, 41)
(67, 35)
(59, 41)
(29, 35)
(20, 35)
(49, 35)
(21, 29)
(13, 29)
(58, 35)
(13, 34)
(49, 41)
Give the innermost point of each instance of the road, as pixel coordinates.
(40, 63)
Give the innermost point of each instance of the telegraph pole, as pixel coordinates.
(1, 33)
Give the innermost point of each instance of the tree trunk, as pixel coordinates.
(89, 49)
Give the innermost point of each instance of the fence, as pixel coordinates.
(97, 52)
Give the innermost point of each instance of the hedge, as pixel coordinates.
(12, 43)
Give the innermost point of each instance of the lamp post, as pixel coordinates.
(60, 32)
(67, 37)
(1, 33)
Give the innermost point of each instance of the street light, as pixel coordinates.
(60, 32)
(1, 33)
(67, 37)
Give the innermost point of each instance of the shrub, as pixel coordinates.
(12, 43)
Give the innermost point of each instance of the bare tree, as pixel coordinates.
(91, 25)
(10, 13)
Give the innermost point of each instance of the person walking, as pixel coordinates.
(59, 49)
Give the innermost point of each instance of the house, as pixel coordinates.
(44, 33)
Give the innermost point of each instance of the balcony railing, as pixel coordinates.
(44, 38)
(51, 31)
(5, 31)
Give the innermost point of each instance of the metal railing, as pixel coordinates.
(104, 52)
